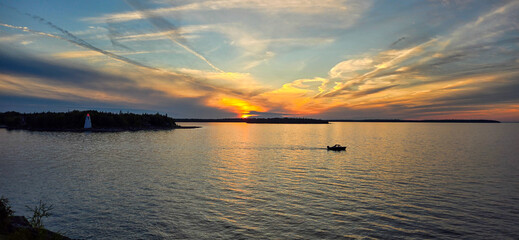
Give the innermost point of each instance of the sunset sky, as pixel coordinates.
(331, 59)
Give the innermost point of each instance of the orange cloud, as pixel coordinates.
(78, 54)
(35, 87)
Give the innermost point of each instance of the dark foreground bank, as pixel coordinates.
(19, 228)
(74, 121)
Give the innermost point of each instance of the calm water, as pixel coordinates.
(237, 180)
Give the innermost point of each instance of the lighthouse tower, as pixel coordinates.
(88, 123)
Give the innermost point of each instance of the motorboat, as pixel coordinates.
(336, 147)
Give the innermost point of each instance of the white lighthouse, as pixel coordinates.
(88, 123)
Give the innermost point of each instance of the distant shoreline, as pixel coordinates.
(423, 121)
(94, 121)
(258, 120)
(318, 121)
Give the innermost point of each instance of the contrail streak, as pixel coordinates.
(161, 23)
(69, 37)
(194, 53)
(113, 34)
(79, 42)
(186, 77)
(397, 41)
(26, 29)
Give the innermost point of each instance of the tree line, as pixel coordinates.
(75, 120)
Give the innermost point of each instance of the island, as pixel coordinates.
(257, 120)
(286, 120)
(80, 121)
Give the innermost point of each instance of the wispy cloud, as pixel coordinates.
(164, 25)
(266, 6)
(89, 54)
(269, 28)
(79, 42)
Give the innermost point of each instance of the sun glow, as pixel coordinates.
(241, 107)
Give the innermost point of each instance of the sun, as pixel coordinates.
(242, 108)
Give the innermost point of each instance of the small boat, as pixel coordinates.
(336, 147)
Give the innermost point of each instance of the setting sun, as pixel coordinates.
(242, 108)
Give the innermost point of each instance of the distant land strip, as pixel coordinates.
(258, 120)
(421, 121)
(319, 121)
(74, 121)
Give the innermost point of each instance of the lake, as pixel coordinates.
(271, 181)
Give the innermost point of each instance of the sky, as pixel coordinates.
(330, 59)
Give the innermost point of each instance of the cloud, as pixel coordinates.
(372, 91)
(497, 90)
(23, 72)
(35, 87)
(79, 42)
(486, 28)
(261, 30)
(471, 68)
(193, 82)
(78, 54)
(242, 82)
(257, 114)
(389, 60)
(114, 35)
(164, 25)
(344, 68)
(24, 76)
(92, 54)
(176, 108)
(443, 75)
(255, 47)
(266, 6)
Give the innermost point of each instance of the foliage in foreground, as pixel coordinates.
(18, 228)
(38, 213)
(5, 213)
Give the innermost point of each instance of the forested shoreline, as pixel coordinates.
(75, 120)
